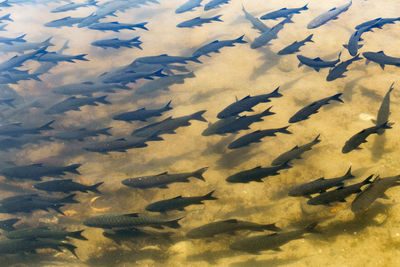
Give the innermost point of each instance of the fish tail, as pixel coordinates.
(21, 38)
(141, 26)
(267, 112)
(199, 173)
(159, 73)
(47, 41)
(385, 125)
(135, 39)
(2, 27)
(195, 59)
(36, 77)
(337, 97)
(81, 57)
(311, 228)
(73, 168)
(368, 180)
(305, 7)
(309, 38)
(348, 174)
(46, 126)
(167, 106)
(173, 224)
(102, 99)
(57, 207)
(7, 17)
(285, 165)
(217, 18)
(69, 199)
(284, 130)
(316, 140)
(8, 225)
(209, 196)
(71, 248)
(240, 40)
(198, 116)
(77, 235)
(275, 93)
(271, 227)
(94, 189)
(104, 131)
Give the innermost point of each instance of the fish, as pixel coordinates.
(56, 57)
(352, 44)
(377, 23)
(294, 47)
(212, 4)
(142, 114)
(267, 36)
(178, 203)
(118, 43)
(73, 6)
(64, 22)
(129, 221)
(132, 77)
(8, 225)
(21, 47)
(168, 125)
(17, 129)
(256, 174)
(189, 5)
(115, 26)
(13, 76)
(319, 185)
(10, 41)
(216, 45)
(18, 60)
(338, 70)
(381, 58)
(257, 24)
(373, 191)
(233, 124)
(165, 59)
(247, 103)
(255, 244)
(120, 144)
(162, 83)
(283, 13)
(17, 143)
(74, 103)
(384, 111)
(229, 226)
(134, 235)
(256, 136)
(317, 63)
(295, 152)
(356, 140)
(37, 171)
(67, 186)
(92, 18)
(307, 111)
(340, 194)
(80, 134)
(6, 17)
(34, 233)
(88, 88)
(198, 21)
(331, 14)
(18, 246)
(162, 180)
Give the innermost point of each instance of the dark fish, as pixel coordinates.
(372, 192)
(118, 43)
(360, 137)
(255, 244)
(269, 35)
(178, 203)
(165, 59)
(381, 59)
(128, 221)
(80, 134)
(8, 225)
(246, 104)
(142, 114)
(43, 232)
(10, 41)
(121, 144)
(331, 14)
(162, 180)
(75, 103)
(319, 186)
(169, 125)
(37, 171)
(115, 26)
(131, 76)
(283, 13)
(233, 124)
(377, 23)
(18, 60)
(17, 129)
(256, 174)
(384, 111)
(198, 21)
(352, 44)
(317, 63)
(17, 143)
(57, 57)
(134, 235)
(255, 137)
(18, 246)
(215, 4)
(189, 5)
(257, 24)
(294, 47)
(67, 186)
(216, 45)
(339, 194)
(304, 113)
(337, 71)
(294, 153)
(228, 227)
(64, 22)
(162, 83)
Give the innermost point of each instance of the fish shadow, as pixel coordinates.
(262, 263)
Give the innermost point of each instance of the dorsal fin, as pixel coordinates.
(163, 55)
(283, 8)
(132, 215)
(320, 179)
(216, 41)
(246, 97)
(296, 147)
(380, 52)
(178, 197)
(37, 164)
(332, 9)
(121, 139)
(88, 83)
(318, 59)
(231, 221)
(258, 167)
(163, 173)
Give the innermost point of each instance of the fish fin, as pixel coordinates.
(231, 221)
(199, 173)
(346, 46)
(173, 224)
(209, 196)
(296, 147)
(318, 59)
(316, 69)
(94, 189)
(348, 174)
(382, 66)
(77, 235)
(163, 173)
(156, 226)
(132, 215)
(178, 197)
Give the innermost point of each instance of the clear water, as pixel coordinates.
(371, 240)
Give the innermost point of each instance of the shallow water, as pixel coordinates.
(371, 240)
